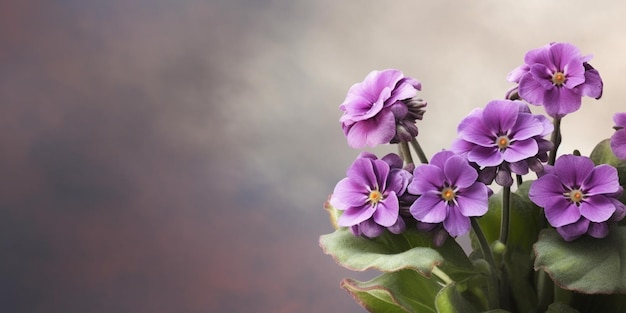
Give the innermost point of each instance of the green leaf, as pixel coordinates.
(450, 300)
(402, 291)
(586, 265)
(560, 308)
(389, 253)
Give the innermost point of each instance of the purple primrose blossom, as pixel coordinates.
(369, 196)
(449, 193)
(618, 140)
(504, 137)
(381, 109)
(579, 197)
(556, 76)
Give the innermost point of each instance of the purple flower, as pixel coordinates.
(579, 197)
(503, 137)
(557, 76)
(449, 193)
(618, 140)
(369, 195)
(373, 107)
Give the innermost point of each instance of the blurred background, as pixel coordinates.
(174, 156)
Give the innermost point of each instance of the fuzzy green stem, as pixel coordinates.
(545, 291)
(441, 275)
(556, 140)
(418, 149)
(406, 152)
(505, 221)
(493, 286)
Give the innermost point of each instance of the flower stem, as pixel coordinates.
(556, 140)
(493, 286)
(406, 152)
(506, 208)
(441, 275)
(519, 179)
(418, 149)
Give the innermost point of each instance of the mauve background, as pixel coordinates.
(173, 156)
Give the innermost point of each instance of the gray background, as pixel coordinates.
(173, 156)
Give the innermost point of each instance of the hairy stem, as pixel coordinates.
(418, 149)
(493, 286)
(406, 152)
(556, 140)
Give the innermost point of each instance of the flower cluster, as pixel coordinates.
(565, 222)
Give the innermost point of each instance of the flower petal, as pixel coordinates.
(593, 83)
(500, 115)
(429, 208)
(473, 201)
(574, 230)
(598, 230)
(370, 229)
(572, 170)
(459, 173)
(601, 180)
(426, 178)
(348, 194)
(371, 132)
(456, 223)
(531, 90)
(485, 156)
(520, 150)
(597, 208)
(547, 191)
(618, 143)
(356, 215)
(361, 172)
(559, 102)
(387, 210)
(563, 213)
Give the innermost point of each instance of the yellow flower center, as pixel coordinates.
(503, 142)
(576, 196)
(558, 79)
(374, 197)
(448, 194)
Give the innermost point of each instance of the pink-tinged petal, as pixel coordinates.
(348, 194)
(593, 83)
(515, 75)
(473, 201)
(598, 230)
(426, 177)
(559, 102)
(361, 172)
(398, 227)
(459, 173)
(370, 229)
(546, 191)
(377, 130)
(381, 172)
(574, 230)
(561, 215)
(575, 73)
(387, 210)
(597, 208)
(542, 75)
(538, 55)
(520, 150)
(618, 144)
(393, 160)
(474, 130)
(563, 53)
(356, 215)
(531, 90)
(376, 81)
(398, 181)
(456, 224)
(620, 119)
(429, 208)
(485, 156)
(603, 179)
(402, 91)
(461, 146)
(572, 170)
(500, 115)
(440, 158)
(527, 126)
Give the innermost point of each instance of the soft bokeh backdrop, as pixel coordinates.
(173, 156)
